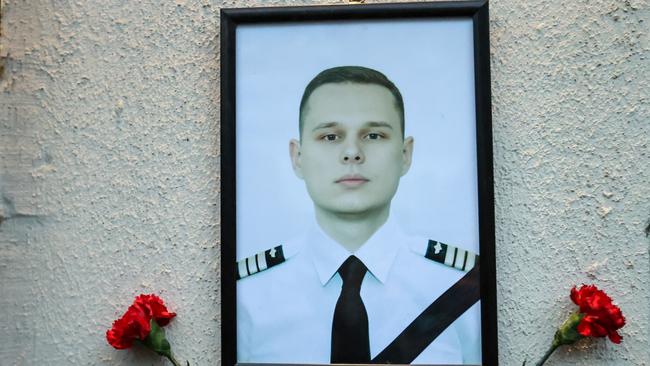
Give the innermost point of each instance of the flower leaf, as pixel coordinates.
(156, 340)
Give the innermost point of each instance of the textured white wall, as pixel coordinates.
(109, 121)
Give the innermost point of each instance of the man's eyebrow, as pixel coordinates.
(370, 124)
(379, 124)
(325, 125)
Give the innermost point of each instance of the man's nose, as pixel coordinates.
(352, 153)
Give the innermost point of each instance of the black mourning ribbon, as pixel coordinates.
(433, 320)
(350, 342)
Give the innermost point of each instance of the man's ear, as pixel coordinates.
(294, 152)
(407, 154)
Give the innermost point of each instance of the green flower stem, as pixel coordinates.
(548, 354)
(566, 334)
(157, 342)
(173, 360)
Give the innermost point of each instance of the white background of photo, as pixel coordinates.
(430, 61)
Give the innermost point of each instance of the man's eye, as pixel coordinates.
(330, 137)
(373, 136)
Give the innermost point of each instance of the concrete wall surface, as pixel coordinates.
(109, 180)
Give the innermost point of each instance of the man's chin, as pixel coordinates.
(353, 209)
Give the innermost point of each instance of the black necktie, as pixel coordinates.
(350, 343)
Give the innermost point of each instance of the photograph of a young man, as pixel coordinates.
(343, 291)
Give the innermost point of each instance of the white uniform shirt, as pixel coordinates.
(284, 314)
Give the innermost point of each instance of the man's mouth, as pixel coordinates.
(352, 180)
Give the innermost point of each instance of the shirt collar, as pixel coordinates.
(377, 254)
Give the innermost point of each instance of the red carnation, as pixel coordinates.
(143, 322)
(597, 317)
(134, 324)
(601, 317)
(156, 308)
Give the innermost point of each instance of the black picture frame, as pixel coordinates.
(232, 18)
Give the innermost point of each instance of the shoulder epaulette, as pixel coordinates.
(260, 262)
(451, 256)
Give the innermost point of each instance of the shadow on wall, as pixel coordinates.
(8, 210)
(2, 58)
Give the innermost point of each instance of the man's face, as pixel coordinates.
(352, 152)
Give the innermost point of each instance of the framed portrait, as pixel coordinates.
(357, 217)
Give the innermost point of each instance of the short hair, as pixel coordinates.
(355, 75)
